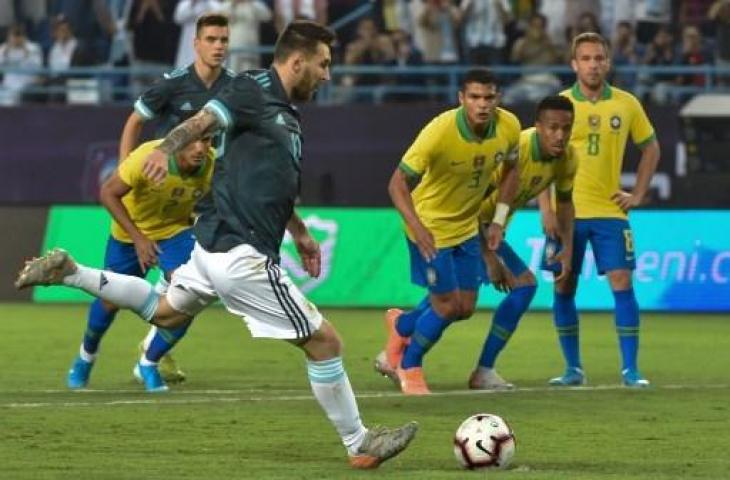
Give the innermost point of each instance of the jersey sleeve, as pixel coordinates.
(642, 132)
(565, 175)
(238, 104)
(130, 170)
(151, 103)
(418, 157)
(513, 139)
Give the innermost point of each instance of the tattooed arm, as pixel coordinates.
(201, 124)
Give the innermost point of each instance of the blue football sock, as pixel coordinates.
(504, 323)
(98, 322)
(627, 326)
(406, 323)
(429, 328)
(565, 316)
(163, 341)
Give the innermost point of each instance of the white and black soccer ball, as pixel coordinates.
(484, 441)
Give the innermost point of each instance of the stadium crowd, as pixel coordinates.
(144, 35)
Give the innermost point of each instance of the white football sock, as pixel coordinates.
(125, 291)
(333, 391)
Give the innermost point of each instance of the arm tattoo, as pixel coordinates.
(187, 132)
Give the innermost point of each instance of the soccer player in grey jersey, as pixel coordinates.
(239, 234)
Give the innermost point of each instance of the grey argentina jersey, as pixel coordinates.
(257, 181)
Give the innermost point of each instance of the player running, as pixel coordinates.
(605, 116)
(239, 234)
(152, 226)
(178, 96)
(437, 188)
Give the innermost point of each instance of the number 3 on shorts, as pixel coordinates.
(628, 241)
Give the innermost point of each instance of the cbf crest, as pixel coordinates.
(615, 122)
(594, 121)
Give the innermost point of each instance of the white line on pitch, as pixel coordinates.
(169, 398)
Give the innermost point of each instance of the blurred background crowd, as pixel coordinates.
(51, 47)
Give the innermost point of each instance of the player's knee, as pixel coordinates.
(567, 285)
(620, 279)
(324, 344)
(449, 310)
(526, 279)
(167, 317)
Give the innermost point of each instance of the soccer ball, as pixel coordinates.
(484, 441)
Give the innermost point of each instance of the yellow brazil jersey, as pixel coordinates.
(160, 211)
(536, 172)
(455, 166)
(600, 132)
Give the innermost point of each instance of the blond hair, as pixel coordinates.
(588, 37)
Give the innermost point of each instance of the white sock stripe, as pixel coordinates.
(329, 373)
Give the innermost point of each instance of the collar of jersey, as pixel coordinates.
(536, 151)
(578, 95)
(173, 170)
(466, 132)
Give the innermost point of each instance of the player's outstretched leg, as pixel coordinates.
(381, 444)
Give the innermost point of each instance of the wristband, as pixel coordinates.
(500, 214)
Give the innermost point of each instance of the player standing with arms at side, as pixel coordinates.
(178, 96)
(605, 116)
(545, 159)
(437, 189)
(239, 235)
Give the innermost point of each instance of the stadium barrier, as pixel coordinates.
(683, 259)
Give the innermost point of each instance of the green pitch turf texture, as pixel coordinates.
(246, 410)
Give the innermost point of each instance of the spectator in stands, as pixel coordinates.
(719, 14)
(245, 17)
(438, 21)
(586, 22)
(187, 13)
(613, 13)
(397, 15)
(287, 10)
(59, 58)
(625, 51)
(650, 16)
(484, 23)
(406, 55)
(694, 52)
(660, 52)
(557, 27)
(694, 12)
(7, 17)
(154, 41)
(533, 49)
(370, 47)
(92, 24)
(18, 52)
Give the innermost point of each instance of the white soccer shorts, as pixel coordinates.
(251, 286)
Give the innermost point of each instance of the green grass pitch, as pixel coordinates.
(246, 410)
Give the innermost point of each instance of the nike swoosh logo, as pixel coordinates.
(453, 164)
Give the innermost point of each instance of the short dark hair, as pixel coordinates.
(303, 36)
(479, 75)
(210, 20)
(554, 102)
